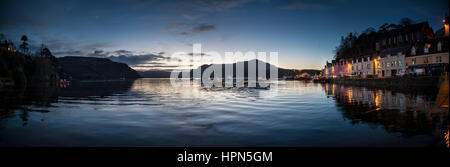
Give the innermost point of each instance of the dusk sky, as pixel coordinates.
(304, 33)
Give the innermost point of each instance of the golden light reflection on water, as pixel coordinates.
(377, 101)
(350, 95)
(447, 140)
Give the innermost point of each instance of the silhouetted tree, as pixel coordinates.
(383, 28)
(369, 31)
(46, 53)
(24, 45)
(354, 45)
(4, 42)
(405, 22)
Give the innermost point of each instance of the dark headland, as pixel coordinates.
(90, 68)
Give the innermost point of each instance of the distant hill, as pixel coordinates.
(288, 73)
(90, 68)
(154, 74)
(310, 72)
(281, 71)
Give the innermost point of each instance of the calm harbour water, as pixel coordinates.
(150, 112)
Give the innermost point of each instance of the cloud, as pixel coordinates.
(135, 59)
(204, 28)
(128, 57)
(61, 45)
(68, 53)
(175, 26)
(201, 54)
(131, 58)
(185, 29)
(184, 33)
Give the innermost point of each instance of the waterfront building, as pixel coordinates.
(11, 48)
(391, 62)
(356, 66)
(390, 52)
(386, 57)
(362, 67)
(328, 70)
(367, 67)
(341, 68)
(303, 75)
(334, 68)
(429, 58)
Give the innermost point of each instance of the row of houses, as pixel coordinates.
(411, 50)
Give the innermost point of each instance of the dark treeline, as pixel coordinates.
(21, 68)
(25, 69)
(354, 45)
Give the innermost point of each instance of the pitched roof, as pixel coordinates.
(394, 51)
(420, 47)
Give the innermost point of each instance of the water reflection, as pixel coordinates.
(407, 113)
(95, 89)
(21, 101)
(150, 112)
(447, 139)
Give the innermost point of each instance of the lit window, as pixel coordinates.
(425, 48)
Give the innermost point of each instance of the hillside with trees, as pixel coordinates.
(353, 45)
(20, 69)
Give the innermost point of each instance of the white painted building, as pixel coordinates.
(391, 62)
(362, 67)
